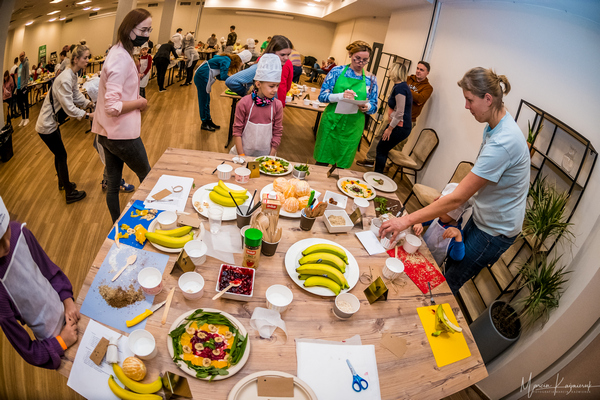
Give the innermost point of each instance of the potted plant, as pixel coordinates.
(543, 279)
(531, 135)
(301, 171)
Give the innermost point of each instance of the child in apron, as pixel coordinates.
(258, 125)
(36, 293)
(444, 235)
(145, 68)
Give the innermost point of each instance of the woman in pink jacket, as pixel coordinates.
(118, 111)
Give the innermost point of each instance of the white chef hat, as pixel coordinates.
(458, 211)
(245, 56)
(4, 218)
(145, 45)
(250, 42)
(269, 68)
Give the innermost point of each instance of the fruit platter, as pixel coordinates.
(293, 193)
(355, 187)
(274, 166)
(321, 267)
(208, 344)
(217, 194)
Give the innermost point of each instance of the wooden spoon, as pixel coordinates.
(130, 260)
(233, 283)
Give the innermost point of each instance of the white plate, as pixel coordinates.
(202, 194)
(153, 226)
(269, 188)
(289, 170)
(246, 389)
(388, 185)
(339, 185)
(294, 254)
(234, 369)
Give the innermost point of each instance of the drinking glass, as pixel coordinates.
(215, 215)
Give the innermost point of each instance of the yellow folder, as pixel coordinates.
(447, 347)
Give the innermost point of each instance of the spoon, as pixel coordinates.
(431, 294)
(233, 283)
(130, 260)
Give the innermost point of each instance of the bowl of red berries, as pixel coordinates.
(242, 277)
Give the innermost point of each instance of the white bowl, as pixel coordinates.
(150, 279)
(235, 296)
(142, 344)
(191, 285)
(196, 250)
(279, 297)
(393, 268)
(224, 171)
(347, 227)
(167, 220)
(340, 198)
(411, 244)
(350, 299)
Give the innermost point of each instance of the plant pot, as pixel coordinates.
(492, 340)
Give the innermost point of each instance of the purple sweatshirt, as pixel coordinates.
(42, 353)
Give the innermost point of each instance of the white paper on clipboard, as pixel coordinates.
(349, 106)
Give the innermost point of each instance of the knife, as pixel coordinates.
(144, 315)
(399, 214)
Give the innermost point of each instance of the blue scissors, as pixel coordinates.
(357, 380)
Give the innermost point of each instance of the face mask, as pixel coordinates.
(139, 40)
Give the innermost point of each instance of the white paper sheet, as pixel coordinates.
(370, 242)
(223, 244)
(323, 367)
(174, 201)
(87, 378)
(345, 108)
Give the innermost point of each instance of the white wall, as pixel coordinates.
(369, 30)
(550, 58)
(29, 39)
(96, 32)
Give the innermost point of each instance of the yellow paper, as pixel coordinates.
(448, 347)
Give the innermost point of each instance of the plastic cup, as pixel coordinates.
(306, 102)
(224, 171)
(215, 215)
(142, 344)
(242, 175)
(279, 298)
(191, 285)
(288, 99)
(167, 220)
(393, 268)
(315, 104)
(363, 204)
(306, 223)
(345, 305)
(268, 249)
(313, 89)
(150, 280)
(375, 226)
(411, 244)
(242, 219)
(196, 250)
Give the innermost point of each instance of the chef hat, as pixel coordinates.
(145, 45)
(245, 56)
(250, 42)
(269, 68)
(458, 211)
(4, 218)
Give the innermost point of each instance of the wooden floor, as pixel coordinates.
(72, 234)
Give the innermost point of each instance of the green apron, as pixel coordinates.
(339, 134)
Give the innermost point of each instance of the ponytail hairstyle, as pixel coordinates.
(278, 43)
(131, 20)
(78, 52)
(358, 46)
(236, 62)
(397, 73)
(480, 81)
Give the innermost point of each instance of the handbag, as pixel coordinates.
(61, 116)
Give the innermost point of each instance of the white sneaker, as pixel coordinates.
(26, 122)
(21, 123)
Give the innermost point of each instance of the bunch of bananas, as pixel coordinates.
(220, 195)
(443, 324)
(139, 391)
(324, 265)
(173, 239)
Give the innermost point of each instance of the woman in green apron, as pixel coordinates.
(342, 123)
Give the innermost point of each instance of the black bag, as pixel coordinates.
(61, 116)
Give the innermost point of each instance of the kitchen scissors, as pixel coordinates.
(357, 381)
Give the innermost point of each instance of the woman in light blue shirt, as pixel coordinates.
(497, 185)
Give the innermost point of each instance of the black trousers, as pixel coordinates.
(55, 144)
(23, 102)
(190, 72)
(161, 70)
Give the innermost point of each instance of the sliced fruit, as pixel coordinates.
(325, 271)
(325, 282)
(324, 258)
(326, 248)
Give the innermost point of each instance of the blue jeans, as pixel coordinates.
(481, 250)
(241, 82)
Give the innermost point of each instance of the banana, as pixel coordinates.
(177, 232)
(322, 281)
(226, 201)
(169, 241)
(326, 248)
(143, 388)
(443, 324)
(324, 258)
(127, 395)
(324, 270)
(235, 193)
(304, 277)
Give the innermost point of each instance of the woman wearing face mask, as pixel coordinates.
(340, 132)
(119, 107)
(280, 46)
(64, 99)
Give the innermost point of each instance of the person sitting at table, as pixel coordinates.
(400, 108)
(162, 59)
(342, 125)
(34, 292)
(192, 58)
(145, 68)
(258, 125)
(326, 66)
(218, 67)
(444, 235)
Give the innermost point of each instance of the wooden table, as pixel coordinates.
(309, 316)
(92, 64)
(297, 102)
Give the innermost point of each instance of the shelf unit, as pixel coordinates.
(566, 159)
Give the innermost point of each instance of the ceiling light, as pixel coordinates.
(52, 20)
(311, 4)
(55, 1)
(96, 9)
(53, 12)
(29, 23)
(84, 2)
(62, 18)
(86, 8)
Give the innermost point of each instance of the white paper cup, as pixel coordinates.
(279, 298)
(224, 171)
(363, 204)
(196, 250)
(243, 231)
(288, 99)
(344, 300)
(375, 226)
(387, 243)
(313, 89)
(150, 279)
(242, 175)
(167, 220)
(306, 102)
(142, 344)
(411, 244)
(393, 268)
(191, 285)
(315, 104)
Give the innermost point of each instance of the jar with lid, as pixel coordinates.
(252, 244)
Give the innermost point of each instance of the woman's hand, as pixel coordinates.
(417, 229)
(364, 107)
(387, 133)
(71, 311)
(142, 103)
(394, 226)
(141, 75)
(349, 94)
(91, 116)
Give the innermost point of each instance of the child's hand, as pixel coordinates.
(71, 310)
(452, 233)
(417, 229)
(69, 333)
